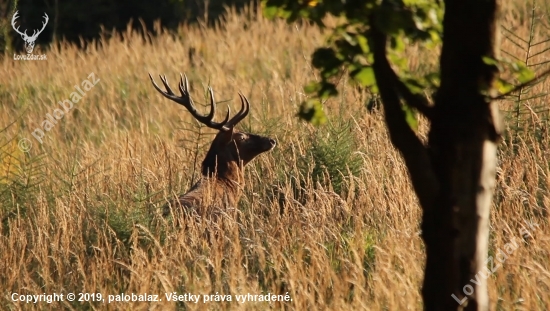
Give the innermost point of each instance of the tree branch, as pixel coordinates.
(523, 85)
(416, 101)
(401, 135)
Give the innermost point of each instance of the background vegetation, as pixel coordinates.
(336, 228)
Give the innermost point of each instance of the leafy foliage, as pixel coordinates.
(519, 69)
(348, 49)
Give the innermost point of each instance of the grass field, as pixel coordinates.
(328, 216)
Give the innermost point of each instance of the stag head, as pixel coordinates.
(229, 145)
(29, 40)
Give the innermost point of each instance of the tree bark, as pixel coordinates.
(454, 174)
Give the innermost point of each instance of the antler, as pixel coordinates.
(243, 112)
(17, 29)
(24, 34)
(186, 101)
(43, 26)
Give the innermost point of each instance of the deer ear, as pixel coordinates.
(226, 136)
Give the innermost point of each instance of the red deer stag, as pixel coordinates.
(223, 167)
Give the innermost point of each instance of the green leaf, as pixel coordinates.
(312, 111)
(398, 60)
(397, 44)
(363, 44)
(410, 117)
(503, 86)
(365, 76)
(270, 11)
(490, 61)
(414, 85)
(312, 87)
(525, 74)
(435, 39)
(433, 79)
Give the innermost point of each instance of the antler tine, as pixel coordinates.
(222, 126)
(15, 16)
(44, 23)
(184, 90)
(186, 101)
(43, 26)
(245, 109)
(168, 93)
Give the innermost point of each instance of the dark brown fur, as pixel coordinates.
(222, 179)
(222, 171)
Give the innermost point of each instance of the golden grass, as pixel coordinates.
(80, 211)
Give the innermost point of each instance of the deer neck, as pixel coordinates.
(233, 177)
(226, 171)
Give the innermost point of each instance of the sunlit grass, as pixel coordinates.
(80, 212)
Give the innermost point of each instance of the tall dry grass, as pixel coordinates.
(80, 212)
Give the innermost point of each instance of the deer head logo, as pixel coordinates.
(29, 40)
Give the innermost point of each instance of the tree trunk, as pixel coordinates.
(462, 146)
(454, 174)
